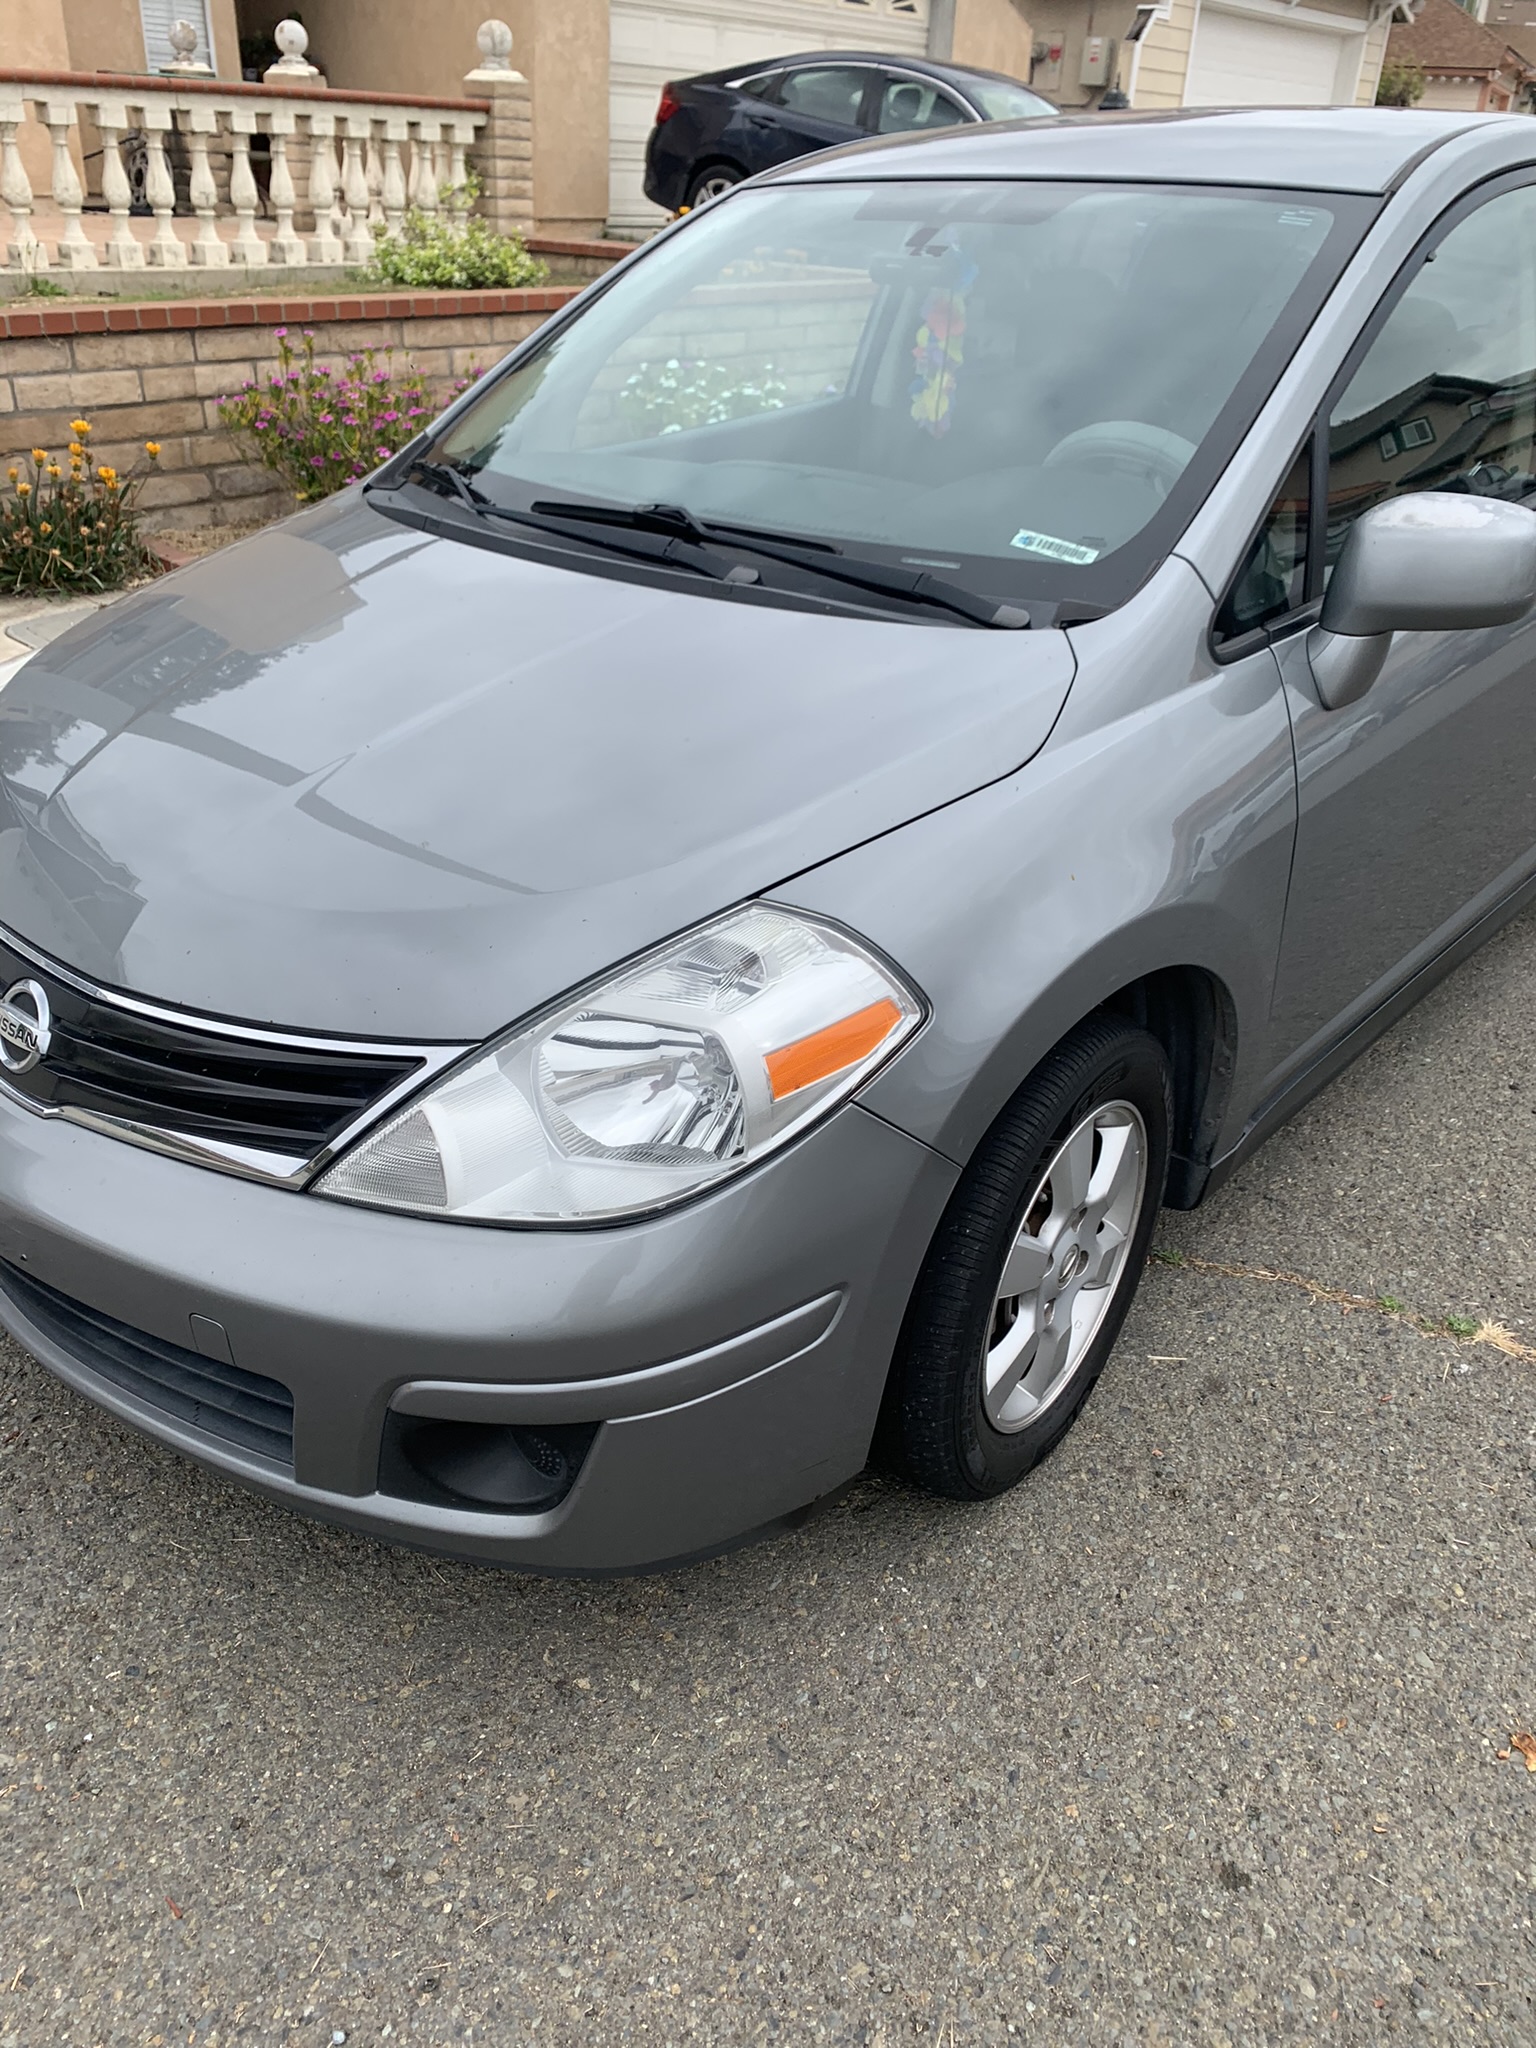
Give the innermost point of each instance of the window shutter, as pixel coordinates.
(158, 15)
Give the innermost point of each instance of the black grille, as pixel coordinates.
(220, 1400)
(178, 1076)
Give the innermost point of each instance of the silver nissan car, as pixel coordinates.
(673, 941)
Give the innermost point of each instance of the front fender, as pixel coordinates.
(1154, 830)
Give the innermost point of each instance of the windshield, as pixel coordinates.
(1006, 383)
(1001, 100)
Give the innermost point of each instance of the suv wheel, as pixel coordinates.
(1033, 1268)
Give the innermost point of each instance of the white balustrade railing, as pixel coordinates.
(361, 160)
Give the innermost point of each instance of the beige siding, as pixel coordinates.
(1165, 58)
(1370, 64)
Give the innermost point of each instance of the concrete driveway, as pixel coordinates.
(1195, 1739)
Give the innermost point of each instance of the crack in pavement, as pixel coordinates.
(1448, 1329)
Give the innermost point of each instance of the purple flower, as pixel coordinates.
(280, 333)
(325, 419)
(390, 415)
(317, 462)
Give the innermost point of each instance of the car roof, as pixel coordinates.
(894, 60)
(1330, 149)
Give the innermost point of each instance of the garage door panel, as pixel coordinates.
(1241, 60)
(650, 43)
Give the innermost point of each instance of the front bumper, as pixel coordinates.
(731, 1354)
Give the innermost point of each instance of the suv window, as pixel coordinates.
(1272, 580)
(910, 103)
(828, 92)
(1445, 399)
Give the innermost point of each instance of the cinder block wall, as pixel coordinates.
(155, 372)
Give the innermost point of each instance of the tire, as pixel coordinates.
(1059, 1158)
(710, 182)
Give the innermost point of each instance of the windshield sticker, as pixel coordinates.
(1058, 550)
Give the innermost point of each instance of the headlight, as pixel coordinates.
(687, 1067)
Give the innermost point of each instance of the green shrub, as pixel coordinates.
(319, 428)
(1401, 83)
(433, 254)
(71, 524)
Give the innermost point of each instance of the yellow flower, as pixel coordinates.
(44, 527)
(152, 449)
(23, 490)
(39, 456)
(74, 467)
(80, 428)
(107, 474)
(13, 473)
(54, 469)
(75, 448)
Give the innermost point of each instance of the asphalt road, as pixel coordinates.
(1192, 1740)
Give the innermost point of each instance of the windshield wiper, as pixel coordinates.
(451, 482)
(443, 477)
(915, 586)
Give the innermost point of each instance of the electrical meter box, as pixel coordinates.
(1098, 56)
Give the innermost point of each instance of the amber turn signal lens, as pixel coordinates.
(829, 1050)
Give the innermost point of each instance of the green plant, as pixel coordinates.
(666, 397)
(433, 253)
(1462, 1326)
(1401, 83)
(40, 287)
(319, 428)
(71, 525)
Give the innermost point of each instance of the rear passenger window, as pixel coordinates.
(1272, 580)
(908, 104)
(831, 92)
(1445, 400)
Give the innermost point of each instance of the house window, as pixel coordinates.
(158, 17)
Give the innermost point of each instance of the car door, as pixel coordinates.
(816, 106)
(1416, 804)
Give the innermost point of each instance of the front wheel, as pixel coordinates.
(1034, 1266)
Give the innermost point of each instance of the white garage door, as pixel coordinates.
(654, 40)
(1240, 60)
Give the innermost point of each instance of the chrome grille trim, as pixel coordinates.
(289, 1167)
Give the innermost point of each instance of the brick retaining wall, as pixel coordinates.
(154, 372)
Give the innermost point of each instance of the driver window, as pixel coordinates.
(1445, 400)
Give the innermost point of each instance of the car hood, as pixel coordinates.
(348, 777)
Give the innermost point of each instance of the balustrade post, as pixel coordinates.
(286, 247)
(426, 147)
(504, 149)
(354, 184)
(374, 172)
(124, 251)
(208, 247)
(248, 248)
(394, 194)
(166, 250)
(25, 251)
(458, 169)
(324, 245)
(74, 251)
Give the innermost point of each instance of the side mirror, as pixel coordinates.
(1428, 562)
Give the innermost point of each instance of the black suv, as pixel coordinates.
(713, 131)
